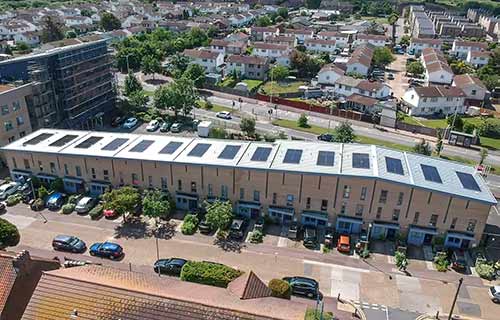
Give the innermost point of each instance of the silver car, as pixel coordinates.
(85, 205)
(494, 293)
(8, 189)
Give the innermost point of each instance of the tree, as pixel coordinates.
(344, 133)
(282, 12)
(138, 100)
(178, 64)
(439, 143)
(302, 121)
(263, 21)
(22, 46)
(131, 84)
(405, 40)
(150, 65)
(415, 67)
(382, 56)
(401, 260)
(483, 155)
(51, 30)
(247, 125)
(195, 73)
(122, 200)
(9, 235)
(279, 72)
(312, 4)
(86, 12)
(42, 192)
(219, 214)
(155, 204)
(180, 95)
(71, 34)
(109, 22)
(57, 185)
(461, 67)
(306, 65)
(456, 122)
(392, 20)
(422, 147)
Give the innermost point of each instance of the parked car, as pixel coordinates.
(237, 230)
(176, 127)
(110, 214)
(165, 127)
(293, 230)
(117, 121)
(130, 123)
(25, 189)
(223, 115)
(68, 243)
(8, 189)
(494, 293)
(108, 250)
(325, 137)
(153, 125)
(458, 262)
(85, 204)
(55, 201)
(310, 238)
(303, 286)
(172, 266)
(329, 237)
(204, 227)
(344, 244)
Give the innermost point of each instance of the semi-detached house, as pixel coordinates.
(474, 89)
(461, 48)
(418, 45)
(372, 39)
(346, 86)
(478, 58)
(427, 101)
(320, 46)
(360, 61)
(437, 70)
(251, 67)
(341, 39)
(210, 61)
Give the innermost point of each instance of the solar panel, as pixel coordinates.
(229, 152)
(62, 141)
(199, 150)
(261, 154)
(394, 165)
(115, 144)
(326, 158)
(431, 173)
(39, 138)
(292, 156)
(361, 160)
(468, 181)
(141, 146)
(171, 147)
(88, 142)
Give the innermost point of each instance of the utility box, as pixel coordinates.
(204, 129)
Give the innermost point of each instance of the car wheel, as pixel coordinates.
(112, 257)
(92, 253)
(496, 300)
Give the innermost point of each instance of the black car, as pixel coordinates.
(117, 121)
(325, 137)
(302, 286)
(238, 228)
(108, 250)
(171, 267)
(204, 227)
(310, 238)
(68, 243)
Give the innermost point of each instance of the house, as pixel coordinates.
(474, 89)
(270, 50)
(238, 37)
(329, 74)
(417, 45)
(436, 67)
(320, 45)
(30, 38)
(209, 60)
(460, 48)
(227, 47)
(261, 33)
(240, 19)
(427, 101)
(360, 60)
(374, 40)
(70, 21)
(341, 39)
(346, 86)
(362, 104)
(478, 58)
(300, 34)
(250, 67)
(285, 40)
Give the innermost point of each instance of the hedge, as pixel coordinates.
(485, 270)
(38, 205)
(9, 235)
(96, 212)
(212, 274)
(12, 200)
(68, 208)
(280, 288)
(313, 314)
(190, 224)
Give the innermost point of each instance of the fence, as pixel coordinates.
(416, 129)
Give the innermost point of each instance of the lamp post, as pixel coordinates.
(455, 299)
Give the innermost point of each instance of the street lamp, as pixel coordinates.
(455, 299)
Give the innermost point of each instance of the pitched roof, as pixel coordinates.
(249, 286)
(371, 37)
(200, 54)
(264, 29)
(439, 91)
(370, 85)
(270, 46)
(331, 67)
(362, 100)
(476, 44)
(320, 41)
(7, 278)
(362, 54)
(332, 34)
(427, 41)
(478, 54)
(463, 80)
(246, 59)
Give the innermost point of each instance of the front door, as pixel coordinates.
(428, 238)
(391, 234)
(255, 213)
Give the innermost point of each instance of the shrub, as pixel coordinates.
(303, 121)
(73, 199)
(485, 270)
(190, 224)
(212, 274)
(96, 212)
(9, 235)
(68, 208)
(441, 262)
(280, 288)
(256, 236)
(42, 192)
(13, 200)
(38, 205)
(313, 314)
(222, 234)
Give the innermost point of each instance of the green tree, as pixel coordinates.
(57, 185)
(150, 65)
(312, 4)
(9, 235)
(305, 65)
(122, 200)
(218, 133)
(178, 64)
(138, 100)
(392, 20)
(303, 121)
(343, 133)
(439, 142)
(405, 40)
(155, 204)
(483, 155)
(42, 192)
(456, 122)
(180, 95)
(382, 56)
(415, 67)
(247, 125)
(195, 73)
(71, 34)
(131, 84)
(109, 22)
(422, 147)
(263, 21)
(22, 46)
(219, 214)
(86, 12)
(401, 260)
(461, 67)
(279, 72)
(51, 30)
(282, 12)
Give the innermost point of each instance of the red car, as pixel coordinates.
(110, 214)
(344, 244)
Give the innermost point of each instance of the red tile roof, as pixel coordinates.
(362, 100)
(320, 41)
(331, 67)
(200, 54)
(246, 59)
(7, 278)
(371, 37)
(475, 44)
(270, 46)
(463, 80)
(427, 41)
(332, 34)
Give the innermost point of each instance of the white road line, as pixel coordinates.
(498, 213)
(335, 266)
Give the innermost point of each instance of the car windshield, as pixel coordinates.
(73, 241)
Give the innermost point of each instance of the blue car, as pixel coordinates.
(108, 250)
(55, 201)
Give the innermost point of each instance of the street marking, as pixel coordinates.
(430, 265)
(331, 265)
(498, 213)
(282, 242)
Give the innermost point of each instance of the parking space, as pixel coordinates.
(400, 82)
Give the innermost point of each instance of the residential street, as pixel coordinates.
(426, 290)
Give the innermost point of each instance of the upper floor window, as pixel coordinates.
(433, 220)
(16, 105)
(347, 192)
(383, 196)
(5, 109)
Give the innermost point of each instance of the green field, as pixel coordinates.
(215, 107)
(282, 87)
(252, 84)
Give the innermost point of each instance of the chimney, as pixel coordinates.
(22, 262)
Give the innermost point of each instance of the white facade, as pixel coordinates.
(462, 48)
(417, 46)
(357, 68)
(76, 20)
(425, 106)
(320, 46)
(328, 76)
(268, 50)
(341, 40)
(374, 41)
(438, 76)
(477, 58)
(211, 64)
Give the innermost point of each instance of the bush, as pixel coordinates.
(42, 192)
(313, 314)
(303, 121)
(280, 288)
(38, 205)
(13, 200)
(68, 208)
(9, 235)
(256, 236)
(485, 270)
(96, 212)
(73, 199)
(190, 224)
(441, 262)
(212, 274)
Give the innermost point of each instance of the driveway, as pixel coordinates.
(400, 82)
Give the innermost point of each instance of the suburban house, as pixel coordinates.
(478, 58)
(227, 47)
(427, 101)
(31, 38)
(418, 45)
(474, 89)
(461, 48)
(250, 67)
(320, 45)
(436, 67)
(269, 50)
(209, 60)
(345, 86)
(360, 61)
(374, 40)
(329, 74)
(362, 104)
(341, 39)
(70, 21)
(240, 19)
(261, 33)
(289, 41)
(300, 34)
(238, 37)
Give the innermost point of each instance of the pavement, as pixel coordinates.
(421, 290)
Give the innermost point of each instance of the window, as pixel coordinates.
(395, 214)
(433, 220)
(383, 196)
(400, 198)
(193, 186)
(12, 139)
(453, 223)
(289, 200)
(14, 162)
(274, 197)
(342, 208)
(66, 171)
(135, 179)
(242, 193)
(16, 105)
(473, 92)
(308, 203)
(40, 165)
(359, 210)
(415, 218)
(256, 196)
(179, 185)
(347, 192)
(5, 110)
(19, 120)
(8, 125)
(379, 213)
(164, 183)
(324, 205)
(471, 225)
(26, 164)
(210, 190)
(78, 171)
(150, 179)
(223, 192)
(363, 193)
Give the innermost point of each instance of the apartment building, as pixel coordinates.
(349, 186)
(250, 67)
(210, 61)
(427, 101)
(14, 115)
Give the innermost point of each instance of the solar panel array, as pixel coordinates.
(64, 140)
(394, 165)
(88, 142)
(115, 144)
(361, 160)
(199, 150)
(431, 173)
(326, 158)
(171, 147)
(261, 154)
(229, 152)
(39, 138)
(142, 146)
(292, 156)
(468, 181)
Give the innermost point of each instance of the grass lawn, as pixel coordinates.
(380, 20)
(490, 143)
(279, 87)
(149, 93)
(215, 107)
(252, 84)
(228, 82)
